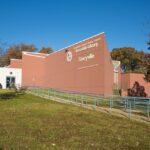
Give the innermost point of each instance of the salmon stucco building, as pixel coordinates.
(84, 67)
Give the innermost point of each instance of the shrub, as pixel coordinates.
(7, 95)
(22, 89)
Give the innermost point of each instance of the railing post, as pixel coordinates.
(148, 108)
(129, 109)
(38, 91)
(71, 97)
(54, 93)
(94, 104)
(126, 104)
(110, 105)
(81, 100)
(76, 97)
(48, 93)
(43, 92)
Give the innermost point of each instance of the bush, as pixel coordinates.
(137, 90)
(22, 89)
(117, 92)
(1, 86)
(7, 95)
(13, 92)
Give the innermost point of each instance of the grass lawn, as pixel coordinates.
(30, 122)
(4, 91)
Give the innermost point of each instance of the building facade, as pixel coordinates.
(117, 74)
(84, 67)
(10, 77)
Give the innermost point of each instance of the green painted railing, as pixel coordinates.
(130, 105)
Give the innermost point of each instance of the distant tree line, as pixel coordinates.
(133, 60)
(15, 52)
(147, 64)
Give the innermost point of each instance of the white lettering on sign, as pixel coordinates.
(86, 47)
(86, 58)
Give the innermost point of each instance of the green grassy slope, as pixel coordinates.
(29, 122)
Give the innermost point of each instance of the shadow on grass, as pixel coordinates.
(10, 95)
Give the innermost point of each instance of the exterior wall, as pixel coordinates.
(117, 74)
(128, 79)
(116, 80)
(15, 63)
(108, 71)
(33, 70)
(125, 81)
(83, 67)
(140, 78)
(119, 78)
(94, 75)
(11, 72)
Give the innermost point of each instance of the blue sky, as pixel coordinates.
(59, 23)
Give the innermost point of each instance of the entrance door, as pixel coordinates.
(10, 81)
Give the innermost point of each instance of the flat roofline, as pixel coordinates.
(9, 68)
(16, 59)
(34, 54)
(115, 60)
(46, 55)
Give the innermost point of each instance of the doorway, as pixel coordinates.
(10, 81)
